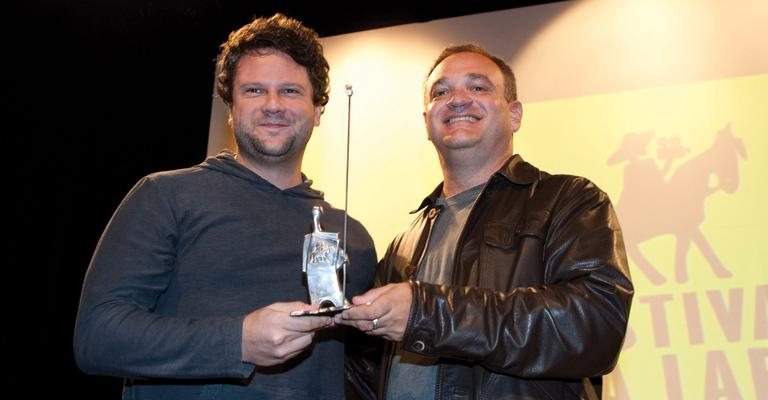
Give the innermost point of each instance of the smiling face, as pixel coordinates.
(272, 110)
(465, 108)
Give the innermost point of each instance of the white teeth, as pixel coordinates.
(462, 118)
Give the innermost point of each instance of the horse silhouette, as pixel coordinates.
(651, 205)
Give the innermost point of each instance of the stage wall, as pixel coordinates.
(662, 104)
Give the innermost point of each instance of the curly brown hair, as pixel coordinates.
(280, 33)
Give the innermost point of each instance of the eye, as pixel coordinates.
(254, 90)
(439, 93)
(292, 91)
(478, 89)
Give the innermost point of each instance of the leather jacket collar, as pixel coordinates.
(515, 170)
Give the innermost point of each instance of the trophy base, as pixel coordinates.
(321, 312)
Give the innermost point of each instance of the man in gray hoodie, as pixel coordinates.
(190, 289)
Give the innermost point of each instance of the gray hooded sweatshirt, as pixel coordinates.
(186, 255)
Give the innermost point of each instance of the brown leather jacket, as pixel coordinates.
(540, 292)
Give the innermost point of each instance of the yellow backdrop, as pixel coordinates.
(662, 104)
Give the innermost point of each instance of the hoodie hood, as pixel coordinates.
(225, 163)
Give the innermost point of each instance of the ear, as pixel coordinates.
(515, 114)
(424, 115)
(318, 113)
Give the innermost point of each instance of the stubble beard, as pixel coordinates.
(455, 140)
(252, 148)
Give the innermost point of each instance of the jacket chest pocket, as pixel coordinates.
(511, 255)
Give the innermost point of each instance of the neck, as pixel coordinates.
(283, 174)
(462, 172)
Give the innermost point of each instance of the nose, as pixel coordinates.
(459, 99)
(273, 103)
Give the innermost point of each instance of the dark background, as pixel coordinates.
(99, 94)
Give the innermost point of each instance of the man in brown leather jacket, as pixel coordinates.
(511, 283)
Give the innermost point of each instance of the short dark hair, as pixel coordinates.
(280, 33)
(510, 84)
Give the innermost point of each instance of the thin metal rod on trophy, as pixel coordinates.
(349, 93)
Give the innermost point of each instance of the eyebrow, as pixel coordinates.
(280, 85)
(435, 83)
(482, 77)
(471, 76)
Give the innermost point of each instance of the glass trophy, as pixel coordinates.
(322, 258)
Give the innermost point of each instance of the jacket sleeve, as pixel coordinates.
(118, 332)
(571, 326)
